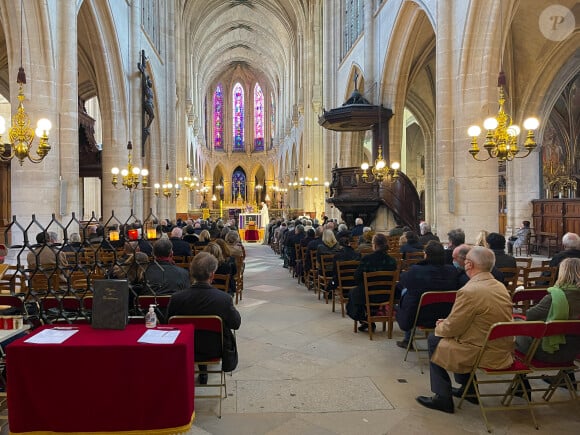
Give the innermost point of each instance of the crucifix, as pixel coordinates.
(147, 115)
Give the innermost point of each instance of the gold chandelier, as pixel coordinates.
(167, 189)
(21, 134)
(190, 181)
(380, 171)
(501, 139)
(132, 176)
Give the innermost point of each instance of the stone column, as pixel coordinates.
(35, 188)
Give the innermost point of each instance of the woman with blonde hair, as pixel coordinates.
(562, 303)
(481, 239)
(204, 238)
(329, 245)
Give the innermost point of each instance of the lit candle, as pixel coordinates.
(133, 234)
(113, 235)
(151, 233)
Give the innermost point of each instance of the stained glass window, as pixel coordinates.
(272, 120)
(218, 118)
(258, 118)
(238, 184)
(238, 117)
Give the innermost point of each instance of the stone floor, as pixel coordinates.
(302, 370)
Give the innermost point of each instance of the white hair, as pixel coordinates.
(571, 241)
(358, 221)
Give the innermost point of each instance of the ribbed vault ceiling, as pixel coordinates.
(222, 34)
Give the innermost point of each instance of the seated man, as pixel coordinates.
(203, 299)
(455, 345)
(430, 274)
(163, 277)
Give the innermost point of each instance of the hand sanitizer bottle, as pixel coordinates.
(151, 317)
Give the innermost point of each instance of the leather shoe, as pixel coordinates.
(437, 402)
(403, 343)
(519, 393)
(471, 398)
(202, 379)
(365, 327)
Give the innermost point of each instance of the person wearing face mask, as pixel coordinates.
(459, 255)
(455, 345)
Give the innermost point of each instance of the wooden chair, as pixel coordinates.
(540, 277)
(325, 272)
(380, 285)
(214, 325)
(513, 376)
(240, 268)
(299, 262)
(312, 274)
(525, 245)
(221, 282)
(442, 301)
(346, 282)
(410, 259)
(523, 263)
(511, 276)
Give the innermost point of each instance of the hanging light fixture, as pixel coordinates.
(380, 171)
(132, 175)
(167, 189)
(20, 133)
(501, 139)
(190, 181)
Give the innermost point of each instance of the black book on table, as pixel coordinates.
(110, 304)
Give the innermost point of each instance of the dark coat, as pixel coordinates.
(421, 278)
(346, 254)
(180, 247)
(408, 247)
(203, 299)
(427, 237)
(503, 260)
(357, 230)
(377, 261)
(165, 278)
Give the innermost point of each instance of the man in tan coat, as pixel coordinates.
(458, 339)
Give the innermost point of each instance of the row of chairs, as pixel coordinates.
(524, 368)
(443, 301)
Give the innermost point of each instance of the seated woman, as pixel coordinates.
(329, 245)
(377, 261)
(429, 274)
(481, 239)
(563, 303)
(203, 239)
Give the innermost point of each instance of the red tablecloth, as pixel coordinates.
(102, 381)
(251, 236)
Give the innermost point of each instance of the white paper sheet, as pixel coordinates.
(52, 336)
(159, 336)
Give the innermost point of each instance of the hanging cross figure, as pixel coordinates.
(148, 106)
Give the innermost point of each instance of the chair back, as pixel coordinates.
(539, 277)
(326, 264)
(510, 277)
(221, 281)
(202, 326)
(523, 262)
(161, 302)
(529, 295)
(380, 285)
(514, 329)
(345, 271)
(438, 297)
(562, 327)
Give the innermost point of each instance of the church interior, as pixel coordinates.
(462, 114)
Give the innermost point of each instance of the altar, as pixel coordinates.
(249, 225)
